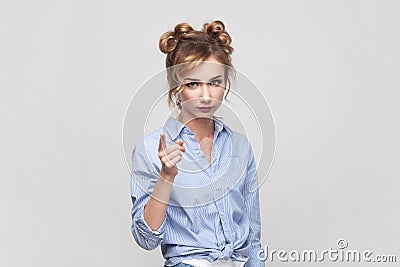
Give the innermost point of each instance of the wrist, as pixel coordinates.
(166, 176)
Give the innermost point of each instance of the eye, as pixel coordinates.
(216, 83)
(192, 84)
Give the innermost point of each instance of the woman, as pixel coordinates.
(194, 180)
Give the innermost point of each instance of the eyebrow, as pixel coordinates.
(197, 80)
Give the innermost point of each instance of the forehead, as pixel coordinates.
(204, 70)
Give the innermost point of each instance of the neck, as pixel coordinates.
(201, 127)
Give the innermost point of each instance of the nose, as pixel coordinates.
(205, 93)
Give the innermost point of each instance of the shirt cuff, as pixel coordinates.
(145, 229)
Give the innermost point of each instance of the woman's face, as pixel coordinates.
(203, 90)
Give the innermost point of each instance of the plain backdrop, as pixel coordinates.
(68, 69)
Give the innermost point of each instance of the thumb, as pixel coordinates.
(180, 143)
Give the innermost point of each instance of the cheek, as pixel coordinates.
(189, 99)
(189, 95)
(220, 95)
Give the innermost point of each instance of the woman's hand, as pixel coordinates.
(169, 156)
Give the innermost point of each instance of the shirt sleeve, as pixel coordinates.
(142, 180)
(253, 209)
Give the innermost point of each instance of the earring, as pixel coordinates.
(178, 99)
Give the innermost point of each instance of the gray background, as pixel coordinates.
(68, 69)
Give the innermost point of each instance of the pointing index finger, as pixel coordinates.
(163, 143)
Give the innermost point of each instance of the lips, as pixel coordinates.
(205, 109)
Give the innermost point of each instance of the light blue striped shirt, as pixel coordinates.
(213, 211)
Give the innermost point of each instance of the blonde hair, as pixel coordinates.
(186, 45)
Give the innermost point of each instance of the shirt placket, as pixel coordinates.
(224, 238)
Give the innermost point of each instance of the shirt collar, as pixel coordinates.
(173, 127)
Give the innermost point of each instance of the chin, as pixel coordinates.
(205, 115)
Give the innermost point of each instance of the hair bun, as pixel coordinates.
(167, 42)
(169, 39)
(182, 29)
(217, 29)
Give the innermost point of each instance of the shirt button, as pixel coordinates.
(198, 151)
(221, 213)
